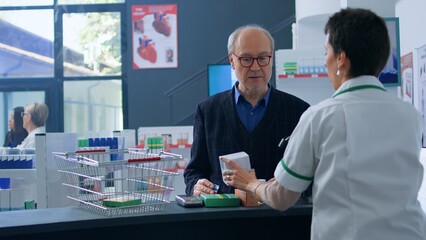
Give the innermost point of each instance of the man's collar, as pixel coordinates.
(237, 94)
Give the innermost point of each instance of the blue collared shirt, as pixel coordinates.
(250, 116)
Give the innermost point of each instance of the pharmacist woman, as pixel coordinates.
(362, 146)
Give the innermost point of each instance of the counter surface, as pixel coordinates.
(56, 222)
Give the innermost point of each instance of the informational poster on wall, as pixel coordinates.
(391, 73)
(154, 36)
(407, 77)
(421, 76)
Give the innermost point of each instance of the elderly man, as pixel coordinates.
(252, 116)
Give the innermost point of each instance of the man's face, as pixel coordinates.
(252, 43)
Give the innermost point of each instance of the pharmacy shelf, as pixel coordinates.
(180, 145)
(313, 89)
(292, 76)
(29, 175)
(313, 86)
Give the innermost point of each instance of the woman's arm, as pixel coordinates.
(274, 195)
(271, 192)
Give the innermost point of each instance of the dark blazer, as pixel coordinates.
(219, 131)
(14, 138)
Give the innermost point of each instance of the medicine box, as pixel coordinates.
(240, 158)
(122, 201)
(220, 200)
(247, 199)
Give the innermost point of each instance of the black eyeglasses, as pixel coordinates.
(24, 113)
(248, 61)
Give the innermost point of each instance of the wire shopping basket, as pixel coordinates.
(122, 182)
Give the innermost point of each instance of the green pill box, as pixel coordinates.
(220, 200)
(122, 202)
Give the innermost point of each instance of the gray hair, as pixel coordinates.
(39, 113)
(234, 36)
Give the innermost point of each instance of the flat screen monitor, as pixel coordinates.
(220, 77)
(391, 74)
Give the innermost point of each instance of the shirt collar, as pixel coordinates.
(237, 94)
(358, 81)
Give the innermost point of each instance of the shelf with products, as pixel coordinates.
(305, 75)
(302, 73)
(180, 145)
(17, 188)
(16, 165)
(29, 175)
(312, 89)
(298, 63)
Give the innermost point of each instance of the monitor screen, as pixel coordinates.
(220, 77)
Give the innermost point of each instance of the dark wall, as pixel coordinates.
(168, 97)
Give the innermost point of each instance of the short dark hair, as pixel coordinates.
(363, 36)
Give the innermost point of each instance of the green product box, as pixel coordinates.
(121, 202)
(220, 200)
(29, 204)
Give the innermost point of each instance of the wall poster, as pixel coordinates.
(154, 36)
(407, 77)
(421, 76)
(391, 73)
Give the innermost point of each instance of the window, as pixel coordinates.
(89, 1)
(92, 44)
(9, 3)
(26, 43)
(70, 51)
(92, 106)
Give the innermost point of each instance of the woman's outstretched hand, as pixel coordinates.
(238, 177)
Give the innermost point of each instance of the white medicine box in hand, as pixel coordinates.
(240, 158)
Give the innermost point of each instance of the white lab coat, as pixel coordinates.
(362, 148)
(29, 141)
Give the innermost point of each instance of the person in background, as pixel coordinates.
(34, 118)
(17, 132)
(362, 146)
(252, 116)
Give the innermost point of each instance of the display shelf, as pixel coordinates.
(310, 81)
(180, 146)
(312, 89)
(19, 189)
(29, 175)
(319, 75)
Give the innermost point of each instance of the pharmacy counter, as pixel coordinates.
(174, 223)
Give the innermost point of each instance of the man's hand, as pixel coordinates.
(203, 186)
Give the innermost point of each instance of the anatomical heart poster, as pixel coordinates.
(154, 36)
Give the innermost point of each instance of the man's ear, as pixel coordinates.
(231, 60)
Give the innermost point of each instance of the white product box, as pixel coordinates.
(240, 158)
